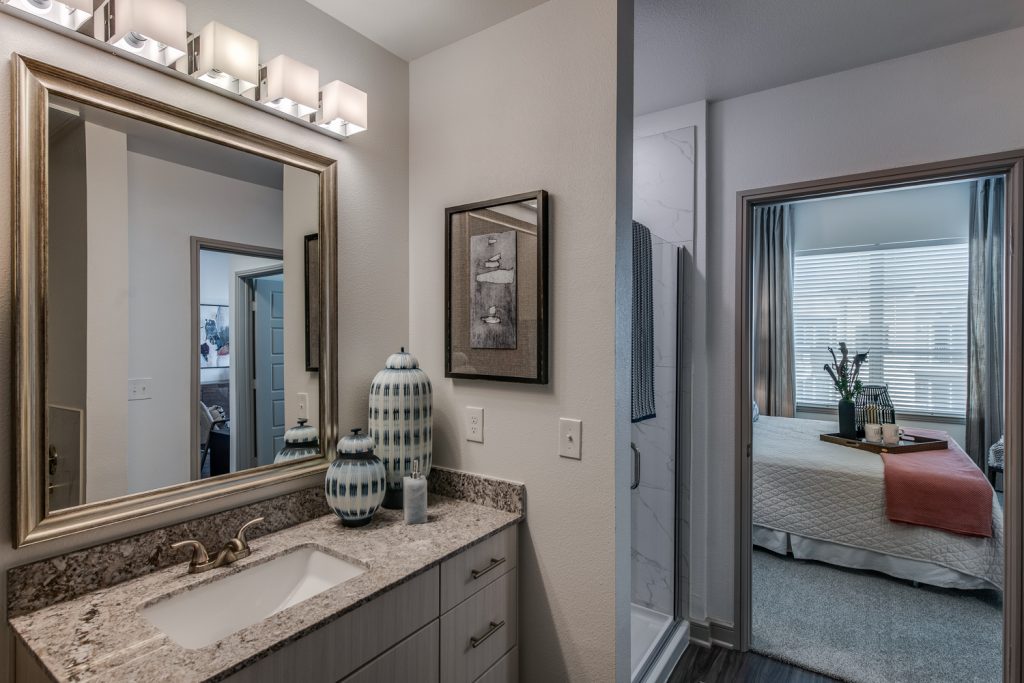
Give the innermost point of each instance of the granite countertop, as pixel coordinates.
(102, 635)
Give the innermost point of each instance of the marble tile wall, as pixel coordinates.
(664, 195)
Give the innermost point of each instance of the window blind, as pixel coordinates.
(906, 305)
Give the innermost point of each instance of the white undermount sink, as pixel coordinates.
(209, 612)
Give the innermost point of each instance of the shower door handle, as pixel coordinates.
(636, 467)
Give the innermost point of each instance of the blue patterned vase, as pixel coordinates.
(401, 421)
(355, 480)
(301, 441)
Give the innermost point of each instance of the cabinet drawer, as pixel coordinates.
(478, 632)
(340, 647)
(505, 671)
(414, 660)
(477, 567)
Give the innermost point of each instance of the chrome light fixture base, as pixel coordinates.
(67, 13)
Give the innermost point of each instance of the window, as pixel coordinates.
(907, 306)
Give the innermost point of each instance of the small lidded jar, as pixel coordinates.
(301, 441)
(356, 480)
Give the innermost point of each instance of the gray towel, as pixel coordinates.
(643, 326)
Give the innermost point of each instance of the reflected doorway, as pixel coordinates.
(239, 365)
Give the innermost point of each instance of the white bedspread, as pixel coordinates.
(827, 492)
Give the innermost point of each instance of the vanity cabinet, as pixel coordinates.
(455, 623)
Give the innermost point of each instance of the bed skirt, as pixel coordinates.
(803, 548)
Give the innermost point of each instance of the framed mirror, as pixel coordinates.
(162, 302)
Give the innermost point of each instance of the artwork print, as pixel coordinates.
(492, 293)
(214, 337)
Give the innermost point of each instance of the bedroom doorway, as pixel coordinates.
(867, 565)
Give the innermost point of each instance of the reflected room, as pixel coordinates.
(177, 325)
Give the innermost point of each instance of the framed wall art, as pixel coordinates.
(214, 336)
(496, 280)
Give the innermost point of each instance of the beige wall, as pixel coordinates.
(107, 296)
(471, 140)
(372, 204)
(300, 218)
(67, 307)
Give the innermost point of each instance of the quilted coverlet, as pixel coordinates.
(828, 492)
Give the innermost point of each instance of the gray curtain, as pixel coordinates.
(985, 318)
(774, 374)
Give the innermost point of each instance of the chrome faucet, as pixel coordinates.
(235, 549)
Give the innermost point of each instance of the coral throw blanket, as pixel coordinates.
(942, 489)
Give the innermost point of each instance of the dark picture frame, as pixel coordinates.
(496, 289)
(311, 257)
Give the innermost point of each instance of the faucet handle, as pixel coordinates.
(200, 557)
(239, 543)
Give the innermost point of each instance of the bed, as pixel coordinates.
(826, 502)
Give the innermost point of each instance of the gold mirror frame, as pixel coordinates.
(33, 82)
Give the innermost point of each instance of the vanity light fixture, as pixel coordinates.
(223, 57)
(68, 13)
(153, 29)
(290, 86)
(342, 109)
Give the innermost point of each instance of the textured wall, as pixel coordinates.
(531, 104)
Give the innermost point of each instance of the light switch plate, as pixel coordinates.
(474, 424)
(570, 438)
(302, 406)
(138, 389)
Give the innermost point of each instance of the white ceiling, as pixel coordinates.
(413, 28)
(689, 50)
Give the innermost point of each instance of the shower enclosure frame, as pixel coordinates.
(667, 652)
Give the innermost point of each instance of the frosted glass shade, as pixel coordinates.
(222, 56)
(342, 108)
(68, 13)
(290, 86)
(154, 29)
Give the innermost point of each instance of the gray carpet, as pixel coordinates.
(869, 628)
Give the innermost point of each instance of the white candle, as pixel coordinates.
(414, 494)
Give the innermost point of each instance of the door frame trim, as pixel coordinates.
(245, 405)
(197, 244)
(1010, 164)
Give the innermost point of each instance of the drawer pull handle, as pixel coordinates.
(495, 627)
(495, 563)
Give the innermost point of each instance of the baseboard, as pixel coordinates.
(713, 632)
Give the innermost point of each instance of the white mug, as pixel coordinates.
(891, 434)
(873, 432)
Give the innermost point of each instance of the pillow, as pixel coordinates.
(997, 454)
(757, 413)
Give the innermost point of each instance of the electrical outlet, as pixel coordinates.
(570, 438)
(302, 406)
(138, 389)
(474, 424)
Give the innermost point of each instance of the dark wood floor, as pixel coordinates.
(718, 665)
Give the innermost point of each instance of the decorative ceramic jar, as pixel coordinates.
(355, 480)
(401, 421)
(301, 441)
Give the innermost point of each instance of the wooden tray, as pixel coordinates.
(908, 444)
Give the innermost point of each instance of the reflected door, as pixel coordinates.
(268, 351)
